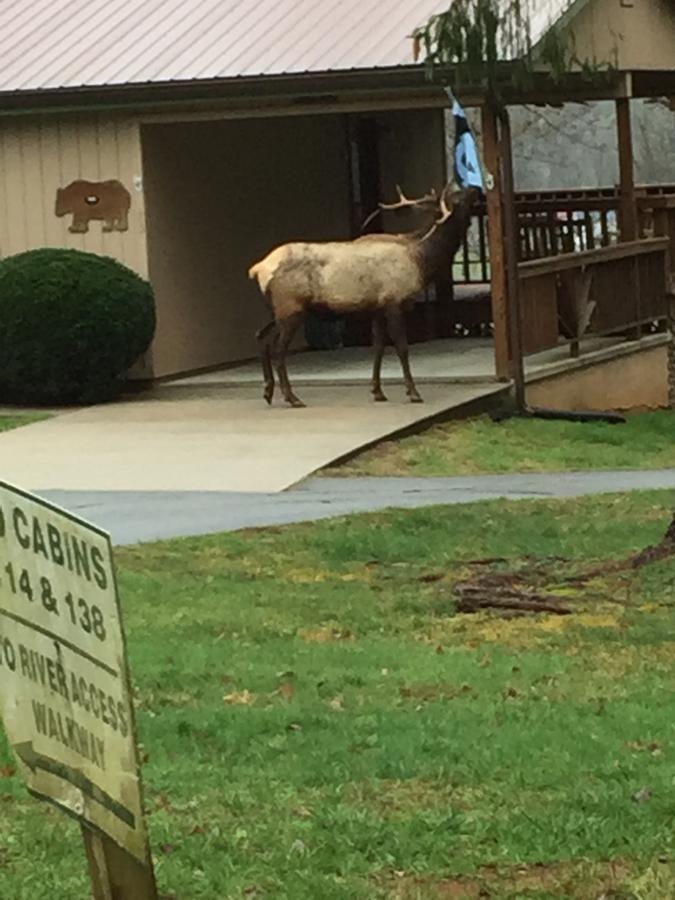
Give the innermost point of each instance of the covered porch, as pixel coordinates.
(554, 275)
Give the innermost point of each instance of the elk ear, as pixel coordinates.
(449, 196)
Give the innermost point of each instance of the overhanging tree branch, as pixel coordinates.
(489, 43)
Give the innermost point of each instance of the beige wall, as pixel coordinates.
(221, 195)
(412, 154)
(636, 36)
(637, 381)
(39, 155)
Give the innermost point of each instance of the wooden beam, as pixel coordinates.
(444, 285)
(628, 211)
(115, 874)
(671, 351)
(515, 322)
(495, 214)
(534, 268)
(628, 205)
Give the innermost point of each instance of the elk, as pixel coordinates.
(374, 273)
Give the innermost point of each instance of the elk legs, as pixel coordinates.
(265, 338)
(285, 334)
(379, 340)
(396, 326)
(274, 340)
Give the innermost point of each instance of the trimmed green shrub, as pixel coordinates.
(71, 325)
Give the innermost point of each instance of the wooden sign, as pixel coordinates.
(64, 686)
(105, 201)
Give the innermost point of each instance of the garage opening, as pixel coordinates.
(222, 194)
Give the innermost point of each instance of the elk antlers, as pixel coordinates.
(446, 211)
(403, 202)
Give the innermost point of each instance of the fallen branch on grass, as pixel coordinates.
(506, 593)
(662, 550)
(475, 596)
(657, 552)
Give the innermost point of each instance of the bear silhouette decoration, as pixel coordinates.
(86, 201)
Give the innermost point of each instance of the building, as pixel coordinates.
(233, 127)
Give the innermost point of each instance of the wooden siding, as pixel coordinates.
(630, 35)
(40, 155)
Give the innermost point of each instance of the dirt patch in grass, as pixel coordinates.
(390, 797)
(322, 634)
(430, 693)
(583, 881)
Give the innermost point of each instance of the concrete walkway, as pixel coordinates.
(214, 432)
(214, 437)
(132, 517)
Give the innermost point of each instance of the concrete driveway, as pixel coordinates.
(215, 437)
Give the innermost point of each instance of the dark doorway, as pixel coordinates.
(325, 331)
(364, 158)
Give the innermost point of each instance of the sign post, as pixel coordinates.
(65, 698)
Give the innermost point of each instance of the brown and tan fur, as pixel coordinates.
(106, 201)
(376, 273)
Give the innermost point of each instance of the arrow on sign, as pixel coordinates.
(78, 779)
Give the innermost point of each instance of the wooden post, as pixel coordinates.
(628, 214)
(511, 248)
(444, 285)
(445, 295)
(114, 873)
(663, 218)
(670, 300)
(671, 350)
(628, 207)
(495, 215)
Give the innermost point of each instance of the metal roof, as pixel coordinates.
(69, 44)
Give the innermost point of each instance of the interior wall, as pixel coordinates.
(412, 155)
(220, 196)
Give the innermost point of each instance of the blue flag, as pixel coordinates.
(467, 165)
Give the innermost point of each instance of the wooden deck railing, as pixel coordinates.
(555, 222)
(656, 216)
(617, 290)
(576, 278)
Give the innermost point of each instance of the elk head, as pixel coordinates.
(457, 203)
(436, 208)
(437, 246)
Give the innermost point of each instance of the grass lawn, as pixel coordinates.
(9, 422)
(320, 723)
(646, 441)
